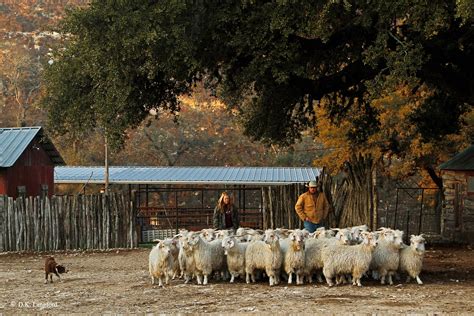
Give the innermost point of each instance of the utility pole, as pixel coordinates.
(106, 186)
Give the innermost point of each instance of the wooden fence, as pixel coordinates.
(67, 222)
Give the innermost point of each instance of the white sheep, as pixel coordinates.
(159, 263)
(208, 234)
(208, 256)
(342, 259)
(313, 247)
(264, 255)
(411, 258)
(294, 256)
(186, 258)
(235, 253)
(173, 244)
(386, 256)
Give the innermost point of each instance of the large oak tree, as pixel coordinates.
(362, 69)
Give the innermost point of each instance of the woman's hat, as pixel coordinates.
(312, 184)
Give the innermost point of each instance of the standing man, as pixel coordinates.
(312, 207)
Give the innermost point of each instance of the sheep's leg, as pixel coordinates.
(310, 278)
(232, 278)
(290, 277)
(408, 279)
(50, 278)
(340, 279)
(329, 279)
(271, 280)
(205, 279)
(253, 277)
(390, 281)
(167, 278)
(383, 273)
(247, 278)
(418, 280)
(319, 277)
(160, 281)
(152, 280)
(198, 278)
(298, 279)
(46, 278)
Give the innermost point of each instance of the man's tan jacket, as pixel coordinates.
(315, 207)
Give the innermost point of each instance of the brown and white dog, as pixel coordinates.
(50, 267)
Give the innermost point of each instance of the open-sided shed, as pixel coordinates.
(169, 198)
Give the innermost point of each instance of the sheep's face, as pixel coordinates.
(221, 234)
(398, 238)
(164, 249)
(228, 242)
(344, 236)
(369, 239)
(417, 243)
(193, 239)
(297, 239)
(270, 236)
(208, 234)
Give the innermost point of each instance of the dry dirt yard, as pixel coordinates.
(117, 282)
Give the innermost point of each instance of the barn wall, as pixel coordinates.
(3, 181)
(458, 212)
(32, 169)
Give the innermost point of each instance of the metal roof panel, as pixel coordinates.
(187, 175)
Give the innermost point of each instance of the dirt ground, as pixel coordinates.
(118, 282)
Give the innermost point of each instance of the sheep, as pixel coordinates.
(186, 259)
(235, 252)
(51, 267)
(313, 247)
(222, 233)
(159, 263)
(411, 258)
(208, 256)
(208, 234)
(355, 231)
(341, 259)
(386, 256)
(294, 256)
(248, 234)
(264, 255)
(173, 244)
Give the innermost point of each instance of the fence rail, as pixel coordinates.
(66, 222)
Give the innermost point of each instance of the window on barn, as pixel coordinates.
(21, 191)
(44, 190)
(470, 184)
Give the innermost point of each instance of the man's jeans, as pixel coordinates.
(311, 227)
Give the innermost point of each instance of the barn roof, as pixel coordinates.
(14, 141)
(187, 175)
(462, 161)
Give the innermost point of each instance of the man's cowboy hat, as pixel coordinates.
(312, 184)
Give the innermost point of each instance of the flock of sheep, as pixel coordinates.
(341, 255)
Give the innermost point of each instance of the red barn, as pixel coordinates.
(27, 160)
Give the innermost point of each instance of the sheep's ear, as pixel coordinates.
(292, 237)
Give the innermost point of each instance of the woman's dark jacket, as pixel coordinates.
(219, 218)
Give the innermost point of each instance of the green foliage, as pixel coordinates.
(274, 61)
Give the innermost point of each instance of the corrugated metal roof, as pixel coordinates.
(14, 141)
(187, 175)
(462, 161)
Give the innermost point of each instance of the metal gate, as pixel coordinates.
(161, 212)
(413, 210)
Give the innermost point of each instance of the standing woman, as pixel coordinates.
(226, 215)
